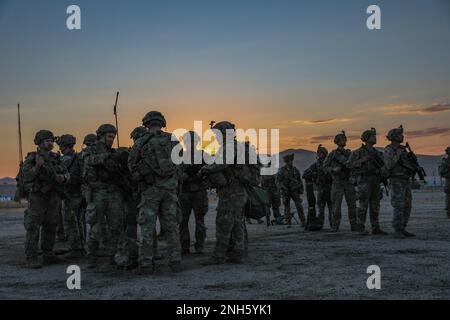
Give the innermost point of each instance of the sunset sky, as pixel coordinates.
(310, 68)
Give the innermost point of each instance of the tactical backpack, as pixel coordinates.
(156, 154)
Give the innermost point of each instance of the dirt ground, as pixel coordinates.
(281, 264)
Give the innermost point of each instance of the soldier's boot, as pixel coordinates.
(378, 231)
(354, 228)
(92, 262)
(361, 230)
(399, 234)
(175, 267)
(234, 259)
(260, 221)
(408, 234)
(51, 259)
(334, 229)
(199, 249)
(248, 220)
(146, 270)
(33, 263)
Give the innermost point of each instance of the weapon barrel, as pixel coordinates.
(115, 115)
(19, 128)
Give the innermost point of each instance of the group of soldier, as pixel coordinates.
(112, 197)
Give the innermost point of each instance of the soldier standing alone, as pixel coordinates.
(291, 188)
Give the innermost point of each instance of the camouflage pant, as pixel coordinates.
(447, 203)
(197, 202)
(323, 201)
(104, 214)
(401, 200)
(162, 203)
(369, 192)
(295, 196)
(274, 202)
(339, 190)
(447, 196)
(61, 226)
(72, 212)
(229, 222)
(41, 219)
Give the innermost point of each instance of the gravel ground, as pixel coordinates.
(281, 264)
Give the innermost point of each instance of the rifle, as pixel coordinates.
(115, 115)
(419, 169)
(379, 162)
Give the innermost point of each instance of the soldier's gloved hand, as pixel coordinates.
(60, 178)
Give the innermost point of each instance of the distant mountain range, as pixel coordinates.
(304, 158)
(8, 181)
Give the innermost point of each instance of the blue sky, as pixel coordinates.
(267, 64)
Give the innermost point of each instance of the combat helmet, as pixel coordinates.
(367, 134)
(340, 136)
(288, 157)
(154, 116)
(394, 132)
(106, 128)
(223, 126)
(90, 139)
(43, 135)
(138, 133)
(322, 149)
(66, 140)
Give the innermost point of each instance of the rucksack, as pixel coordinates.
(257, 205)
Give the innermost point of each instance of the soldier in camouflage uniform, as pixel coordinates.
(228, 180)
(103, 173)
(152, 167)
(72, 203)
(270, 184)
(444, 172)
(322, 182)
(193, 198)
(366, 164)
(400, 170)
(127, 253)
(291, 188)
(44, 177)
(336, 164)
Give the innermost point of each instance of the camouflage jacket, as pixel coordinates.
(270, 183)
(44, 180)
(444, 168)
(238, 172)
(290, 179)
(360, 166)
(150, 161)
(397, 162)
(104, 166)
(319, 176)
(72, 161)
(336, 165)
(191, 181)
